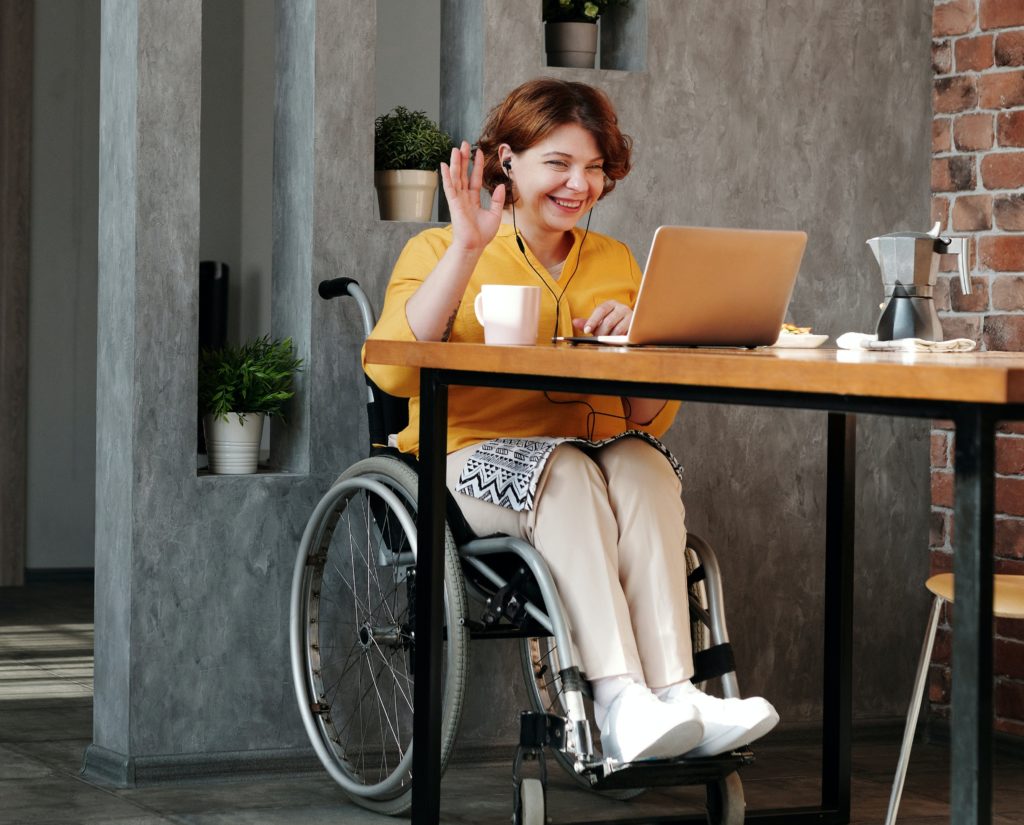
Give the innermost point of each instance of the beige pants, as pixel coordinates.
(611, 530)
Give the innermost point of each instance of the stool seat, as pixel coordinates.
(1007, 603)
(1007, 593)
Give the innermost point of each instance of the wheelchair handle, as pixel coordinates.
(339, 287)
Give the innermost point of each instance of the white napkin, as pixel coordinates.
(859, 340)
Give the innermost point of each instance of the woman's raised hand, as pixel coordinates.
(473, 226)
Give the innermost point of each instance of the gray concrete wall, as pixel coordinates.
(62, 319)
(777, 113)
(16, 49)
(407, 47)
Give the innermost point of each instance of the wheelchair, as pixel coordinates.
(353, 640)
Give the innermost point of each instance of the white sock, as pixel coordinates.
(606, 691)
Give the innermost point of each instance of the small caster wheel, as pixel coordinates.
(531, 802)
(726, 805)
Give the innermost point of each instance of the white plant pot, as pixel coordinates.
(405, 194)
(571, 44)
(233, 445)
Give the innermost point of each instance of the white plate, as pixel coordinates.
(790, 341)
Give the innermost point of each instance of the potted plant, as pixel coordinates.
(238, 388)
(408, 149)
(570, 31)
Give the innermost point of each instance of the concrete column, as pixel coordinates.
(147, 350)
(462, 69)
(16, 20)
(193, 572)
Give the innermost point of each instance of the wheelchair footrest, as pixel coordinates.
(478, 630)
(666, 772)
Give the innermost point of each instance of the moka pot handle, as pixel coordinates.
(961, 247)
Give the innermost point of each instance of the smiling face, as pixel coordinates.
(557, 180)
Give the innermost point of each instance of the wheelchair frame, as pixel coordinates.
(562, 723)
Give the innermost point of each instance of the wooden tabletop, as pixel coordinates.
(988, 377)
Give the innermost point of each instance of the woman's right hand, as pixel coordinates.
(432, 309)
(472, 226)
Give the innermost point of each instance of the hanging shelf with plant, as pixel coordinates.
(408, 149)
(239, 387)
(570, 30)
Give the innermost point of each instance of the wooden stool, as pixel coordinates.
(1007, 603)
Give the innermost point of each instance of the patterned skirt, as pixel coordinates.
(505, 471)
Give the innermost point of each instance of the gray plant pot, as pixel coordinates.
(571, 44)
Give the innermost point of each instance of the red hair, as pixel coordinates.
(532, 111)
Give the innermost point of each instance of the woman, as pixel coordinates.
(601, 506)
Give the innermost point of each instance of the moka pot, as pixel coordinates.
(910, 263)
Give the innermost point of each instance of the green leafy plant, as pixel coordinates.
(253, 378)
(409, 140)
(577, 11)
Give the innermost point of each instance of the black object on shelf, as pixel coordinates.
(213, 304)
(213, 315)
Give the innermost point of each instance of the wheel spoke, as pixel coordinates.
(382, 544)
(352, 562)
(381, 706)
(350, 662)
(363, 694)
(394, 673)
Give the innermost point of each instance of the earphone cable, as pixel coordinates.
(592, 415)
(579, 252)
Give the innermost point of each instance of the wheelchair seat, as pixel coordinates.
(352, 634)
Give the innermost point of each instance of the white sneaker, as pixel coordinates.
(639, 726)
(728, 723)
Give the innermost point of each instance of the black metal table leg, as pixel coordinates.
(838, 658)
(427, 692)
(973, 528)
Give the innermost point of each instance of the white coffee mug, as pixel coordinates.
(509, 314)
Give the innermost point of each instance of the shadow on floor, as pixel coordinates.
(46, 724)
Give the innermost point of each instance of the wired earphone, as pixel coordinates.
(592, 414)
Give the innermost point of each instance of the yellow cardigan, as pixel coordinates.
(607, 270)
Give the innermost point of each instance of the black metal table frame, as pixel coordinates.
(971, 724)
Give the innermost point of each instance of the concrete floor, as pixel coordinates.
(46, 723)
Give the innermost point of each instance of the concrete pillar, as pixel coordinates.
(193, 572)
(15, 195)
(149, 234)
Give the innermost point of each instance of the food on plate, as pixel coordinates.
(792, 329)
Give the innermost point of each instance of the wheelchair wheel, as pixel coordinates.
(539, 657)
(353, 633)
(531, 803)
(726, 803)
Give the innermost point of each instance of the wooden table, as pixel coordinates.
(974, 391)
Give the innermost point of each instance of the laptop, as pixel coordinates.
(705, 286)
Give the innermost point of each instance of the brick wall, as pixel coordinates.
(978, 190)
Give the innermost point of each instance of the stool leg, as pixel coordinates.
(914, 711)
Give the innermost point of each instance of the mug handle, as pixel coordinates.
(478, 308)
